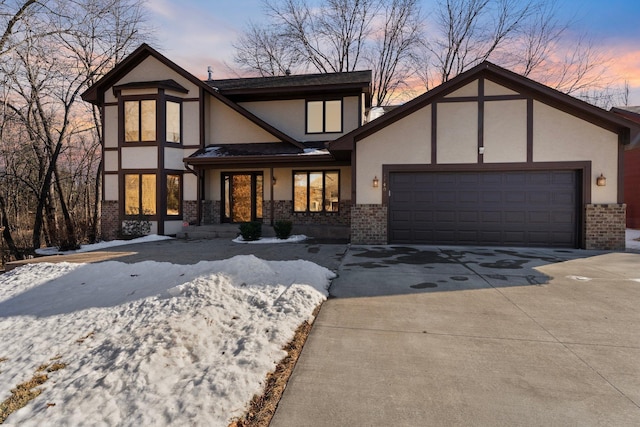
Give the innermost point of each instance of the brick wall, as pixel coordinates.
(369, 225)
(110, 220)
(190, 211)
(210, 212)
(605, 226)
(283, 210)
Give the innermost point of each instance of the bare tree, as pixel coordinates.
(59, 48)
(335, 36)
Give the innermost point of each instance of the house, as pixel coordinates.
(631, 169)
(488, 158)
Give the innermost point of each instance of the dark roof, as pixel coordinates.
(353, 78)
(258, 153)
(169, 84)
(509, 79)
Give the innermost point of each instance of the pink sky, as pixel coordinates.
(200, 33)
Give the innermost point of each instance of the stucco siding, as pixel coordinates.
(190, 187)
(407, 141)
(226, 126)
(111, 126)
(173, 158)
(111, 161)
(139, 157)
(469, 90)
(457, 132)
(505, 131)
(494, 89)
(151, 70)
(190, 123)
(111, 187)
(290, 117)
(172, 227)
(559, 136)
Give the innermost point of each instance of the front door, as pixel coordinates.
(242, 196)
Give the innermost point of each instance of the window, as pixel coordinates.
(173, 194)
(140, 194)
(140, 121)
(174, 122)
(316, 191)
(324, 116)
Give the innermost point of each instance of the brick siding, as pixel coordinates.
(190, 211)
(369, 225)
(283, 210)
(605, 226)
(110, 220)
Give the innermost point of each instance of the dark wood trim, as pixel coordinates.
(110, 172)
(354, 176)
(620, 173)
(285, 164)
(487, 98)
(161, 138)
(190, 147)
(434, 133)
(480, 119)
(529, 130)
(189, 99)
(320, 159)
(202, 118)
(110, 149)
(111, 104)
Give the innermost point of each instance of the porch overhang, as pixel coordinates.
(265, 161)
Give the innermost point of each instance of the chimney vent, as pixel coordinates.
(210, 72)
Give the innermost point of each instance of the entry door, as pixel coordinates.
(242, 196)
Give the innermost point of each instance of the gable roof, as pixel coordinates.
(95, 94)
(502, 76)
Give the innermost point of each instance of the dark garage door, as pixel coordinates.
(530, 208)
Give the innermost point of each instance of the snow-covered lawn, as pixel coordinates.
(150, 344)
(103, 245)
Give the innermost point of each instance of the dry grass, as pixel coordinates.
(23, 393)
(262, 408)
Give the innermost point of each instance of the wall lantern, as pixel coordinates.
(601, 181)
(376, 182)
(273, 180)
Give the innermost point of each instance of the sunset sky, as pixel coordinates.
(199, 33)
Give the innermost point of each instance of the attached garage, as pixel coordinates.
(489, 158)
(497, 208)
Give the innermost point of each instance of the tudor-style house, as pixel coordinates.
(489, 157)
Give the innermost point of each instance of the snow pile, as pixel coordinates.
(103, 245)
(632, 239)
(150, 343)
(296, 238)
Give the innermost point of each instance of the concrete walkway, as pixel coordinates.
(425, 336)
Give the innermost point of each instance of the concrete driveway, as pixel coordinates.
(426, 336)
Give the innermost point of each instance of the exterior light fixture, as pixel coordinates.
(376, 182)
(601, 181)
(273, 180)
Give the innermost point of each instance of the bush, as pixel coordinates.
(251, 230)
(283, 229)
(134, 228)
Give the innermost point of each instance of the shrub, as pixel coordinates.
(133, 228)
(251, 230)
(283, 229)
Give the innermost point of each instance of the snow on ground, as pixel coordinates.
(632, 239)
(150, 343)
(103, 245)
(292, 239)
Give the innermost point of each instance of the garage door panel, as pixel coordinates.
(523, 208)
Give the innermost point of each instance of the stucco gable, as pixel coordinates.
(501, 82)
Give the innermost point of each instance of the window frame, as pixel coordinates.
(139, 174)
(178, 101)
(308, 173)
(324, 115)
(139, 100)
(165, 195)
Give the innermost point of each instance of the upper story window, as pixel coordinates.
(140, 120)
(174, 121)
(324, 116)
